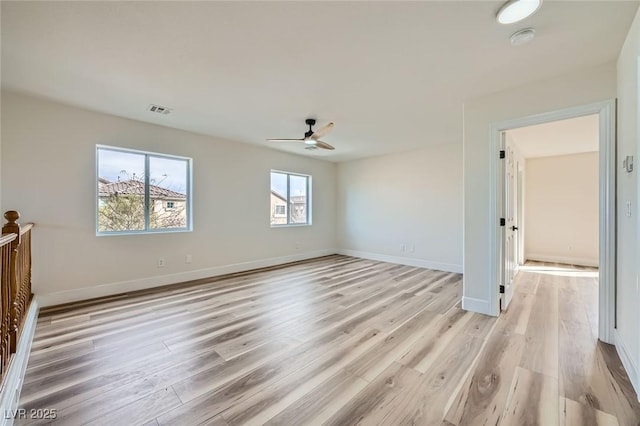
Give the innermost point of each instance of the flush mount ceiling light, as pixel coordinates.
(522, 37)
(517, 10)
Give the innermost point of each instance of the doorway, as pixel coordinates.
(508, 173)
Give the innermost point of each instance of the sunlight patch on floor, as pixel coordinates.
(560, 271)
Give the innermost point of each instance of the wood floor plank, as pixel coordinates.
(265, 405)
(139, 411)
(135, 390)
(215, 399)
(483, 397)
(198, 384)
(541, 350)
(428, 403)
(573, 413)
(532, 400)
(393, 347)
(619, 383)
(435, 339)
(516, 318)
(370, 405)
(527, 282)
(443, 300)
(214, 421)
(324, 401)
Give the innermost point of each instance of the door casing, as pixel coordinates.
(607, 208)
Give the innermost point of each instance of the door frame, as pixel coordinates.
(607, 204)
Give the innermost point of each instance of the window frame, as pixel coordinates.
(147, 156)
(288, 209)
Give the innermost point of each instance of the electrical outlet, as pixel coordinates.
(402, 248)
(411, 248)
(161, 262)
(188, 258)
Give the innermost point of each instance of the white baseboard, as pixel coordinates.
(409, 261)
(476, 305)
(10, 393)
(627, 361)
(66, 296)
(583, 261)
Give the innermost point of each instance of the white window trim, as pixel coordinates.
(147, 231)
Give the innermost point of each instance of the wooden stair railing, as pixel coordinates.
(15, 285)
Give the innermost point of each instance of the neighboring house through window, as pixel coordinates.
(142, 192)
(290, 199)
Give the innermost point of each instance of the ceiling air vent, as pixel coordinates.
(159, 109)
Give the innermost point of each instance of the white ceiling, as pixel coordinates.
(563, 137)
(392, 75)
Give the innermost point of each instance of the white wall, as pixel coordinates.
(562, 209)
(628, 303)
(578, 88)
(411, 199)
(48, 173)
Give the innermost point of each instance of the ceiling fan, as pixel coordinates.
(311, 138)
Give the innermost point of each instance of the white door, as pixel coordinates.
(509, 214)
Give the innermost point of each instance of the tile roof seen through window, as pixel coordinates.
(134, 187)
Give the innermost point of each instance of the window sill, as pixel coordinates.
(160, 231)
(291, 225)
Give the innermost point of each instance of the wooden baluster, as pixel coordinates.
(13, 227)
(5, 256)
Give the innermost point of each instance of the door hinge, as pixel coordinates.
(501, 289)
(502, 154)
(503, 222)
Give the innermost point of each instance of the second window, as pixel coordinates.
(290, 199)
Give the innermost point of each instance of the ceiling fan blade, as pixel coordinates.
(322, 131)
(285, 140)
(323, 145)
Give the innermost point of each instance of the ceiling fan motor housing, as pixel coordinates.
(310, 122)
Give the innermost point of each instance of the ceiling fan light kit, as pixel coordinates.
(516, 10)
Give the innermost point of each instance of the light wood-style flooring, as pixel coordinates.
(336, 341)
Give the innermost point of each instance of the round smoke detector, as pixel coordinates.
(522, 37)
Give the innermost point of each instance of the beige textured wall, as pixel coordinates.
(561, 208)
(405, 207)
(628, 253)
(54, 146)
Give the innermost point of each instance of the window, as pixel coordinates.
(140, 192)
(290, 199)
